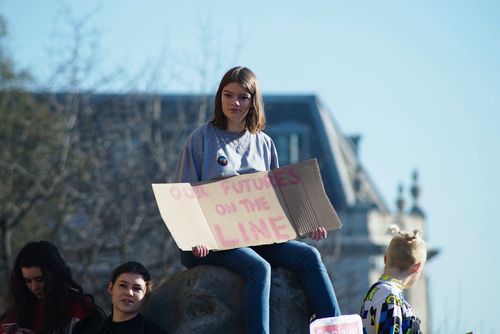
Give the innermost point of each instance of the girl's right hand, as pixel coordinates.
(200, 250)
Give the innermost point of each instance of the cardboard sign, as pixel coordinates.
(247, 210)
(343, 324)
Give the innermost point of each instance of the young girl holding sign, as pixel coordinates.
(233, 143)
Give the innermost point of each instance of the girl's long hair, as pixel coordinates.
(255, 120)
(60, 290)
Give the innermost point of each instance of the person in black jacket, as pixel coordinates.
(130, 287)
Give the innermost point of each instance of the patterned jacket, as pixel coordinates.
(385, 311)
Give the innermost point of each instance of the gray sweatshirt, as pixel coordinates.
(211, 153)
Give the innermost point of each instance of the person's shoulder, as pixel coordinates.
(386, 287)
(264, 137)
(393, 287)
(83, 305)
(92, 323)
(152, 328)
(379, 292)
(87, 300)
(262, 134)
(199, 133)
(202, 129)
(384, 293)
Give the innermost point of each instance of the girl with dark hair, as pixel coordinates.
(233, 143)
(42, 296)
(130, 287)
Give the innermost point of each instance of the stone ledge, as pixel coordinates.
(208, 299)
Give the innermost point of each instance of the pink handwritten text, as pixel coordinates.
(258, 204)
(265, 229)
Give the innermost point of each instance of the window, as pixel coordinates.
(292, 141)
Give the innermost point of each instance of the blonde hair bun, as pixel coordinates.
(405, 248)
(394, 230)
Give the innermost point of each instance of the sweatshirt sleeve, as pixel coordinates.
(274, 156)
(189, 164)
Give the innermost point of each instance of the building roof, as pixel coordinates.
(346, 181)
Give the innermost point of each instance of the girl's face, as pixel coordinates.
(127, 295)
(35, 281)
(236, 102)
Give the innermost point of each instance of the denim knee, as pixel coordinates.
(259, 270)
(311, 255)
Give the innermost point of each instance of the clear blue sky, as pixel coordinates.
(420, 80)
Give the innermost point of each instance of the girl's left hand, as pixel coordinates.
(200, 250)
(319, 233)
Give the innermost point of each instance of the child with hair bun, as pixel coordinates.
(385, 311)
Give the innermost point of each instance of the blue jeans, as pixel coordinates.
(254, 264)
